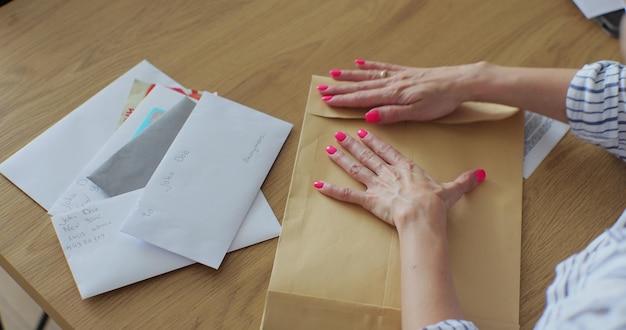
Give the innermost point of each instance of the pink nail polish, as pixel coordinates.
(326, 98)
(480, 175)
(318, 184)
(340, 136)
(361, 133)
(372, 116)
(331, 150)
(335, 73)
(322, 87)
(359, 61)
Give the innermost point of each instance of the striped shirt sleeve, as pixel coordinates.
(589, 289)
(452, 325)
(596, 106)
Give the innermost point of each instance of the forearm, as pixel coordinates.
(541, 90)
(428, 294)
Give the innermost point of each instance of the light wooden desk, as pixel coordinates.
(55, 54)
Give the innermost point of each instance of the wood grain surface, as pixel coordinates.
(55, 54)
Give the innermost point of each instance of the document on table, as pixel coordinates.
(594, 8)
(541, 134)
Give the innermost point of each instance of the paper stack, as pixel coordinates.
(148, 177)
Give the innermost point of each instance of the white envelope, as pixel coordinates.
(45, 167)
(199, 195)
(102, 258)
(81, 190)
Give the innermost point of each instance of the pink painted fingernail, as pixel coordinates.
(480, 175)
(359, 61)
(335, 73)
(340, 136)
(326, 98)
(318, 184)
(322, 87)
(331, 150)
(361, 133)
(372, 116)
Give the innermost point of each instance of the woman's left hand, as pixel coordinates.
(395, 93)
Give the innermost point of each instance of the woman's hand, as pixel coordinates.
(402, 194)
(396, 93)
(397, 190)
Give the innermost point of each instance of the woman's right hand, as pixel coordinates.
(398, 191)
(395, 93)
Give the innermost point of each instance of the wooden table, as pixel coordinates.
(55, 54)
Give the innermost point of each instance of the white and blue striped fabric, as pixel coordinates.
(452, 325)
(596, 106)
(589, 289)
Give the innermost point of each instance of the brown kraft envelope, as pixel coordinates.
(338, 267)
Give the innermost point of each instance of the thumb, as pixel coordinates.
(388, 114)
(411, 112)
(464, 183)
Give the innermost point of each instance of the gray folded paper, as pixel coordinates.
(131, 167)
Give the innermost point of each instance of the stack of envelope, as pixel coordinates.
(139, 184)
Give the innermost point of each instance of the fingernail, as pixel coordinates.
(335, 73)
(327, 98)
(318, 184)
(322, 87)
(331, 150)
(359, 61)
(361, 133)
(372, 116)
(340, 136)
(480, 175)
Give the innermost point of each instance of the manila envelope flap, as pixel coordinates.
(338, 267)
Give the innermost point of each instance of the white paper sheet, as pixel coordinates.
(594, 8)
(541, 134)
(199, 195)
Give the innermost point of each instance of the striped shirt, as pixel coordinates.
(596, 106)
(589, 289)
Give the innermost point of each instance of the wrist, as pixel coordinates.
(426, 280)
(542, 90)
(431, 222)
(479, 81)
